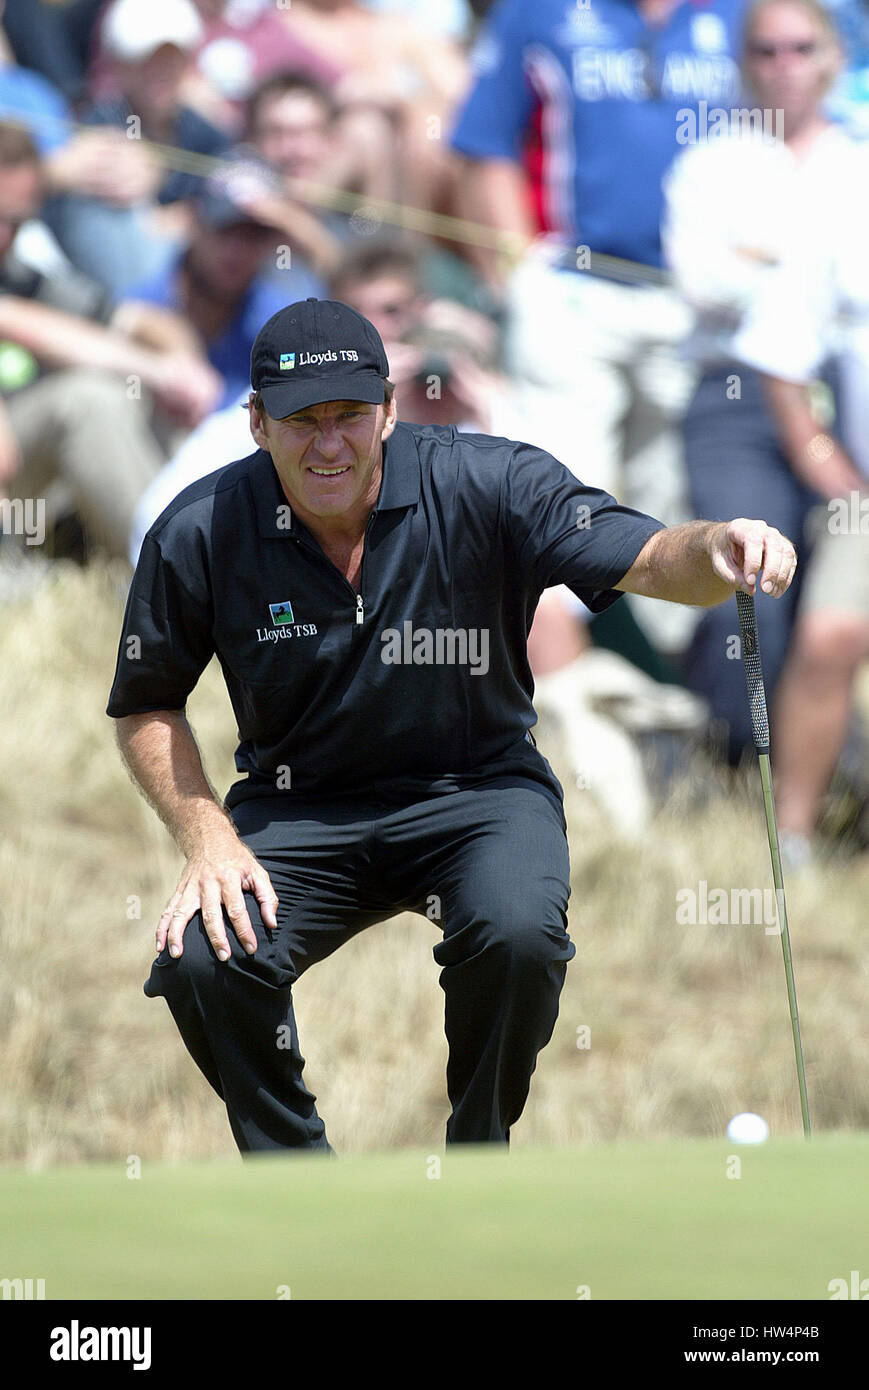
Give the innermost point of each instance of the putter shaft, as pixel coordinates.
(760, 725)
(775, 853)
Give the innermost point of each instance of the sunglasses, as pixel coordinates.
(803, 49)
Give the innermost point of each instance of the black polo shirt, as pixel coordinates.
(421, 676)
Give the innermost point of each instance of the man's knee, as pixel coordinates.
(193, 969)
(83, 392)
(514, 942)
(829, 641)
(533, 945)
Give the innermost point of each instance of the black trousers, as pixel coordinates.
(736, 467)
(488, 865)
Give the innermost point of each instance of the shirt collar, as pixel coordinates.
(399, 486)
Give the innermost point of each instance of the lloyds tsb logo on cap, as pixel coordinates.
(287, 361)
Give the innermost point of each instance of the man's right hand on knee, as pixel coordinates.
(215, 878)
(161, 755)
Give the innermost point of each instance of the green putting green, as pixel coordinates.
(622, 1221)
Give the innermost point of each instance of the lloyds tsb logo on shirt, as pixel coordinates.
(441, 646)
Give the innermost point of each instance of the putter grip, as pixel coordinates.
(753, 670)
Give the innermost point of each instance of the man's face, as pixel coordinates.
(329, 456)
(152, 86)
(390, 301)
(228, 258)
(790, 60)
(292, 134)
(20, 198)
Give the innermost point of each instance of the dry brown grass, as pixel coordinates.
(688, 1025)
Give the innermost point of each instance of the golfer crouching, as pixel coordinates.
(368, 587)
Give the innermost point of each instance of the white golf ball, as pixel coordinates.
(748, 1129)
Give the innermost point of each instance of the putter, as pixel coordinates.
(760, 726)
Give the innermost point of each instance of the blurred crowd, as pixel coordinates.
(631, 232)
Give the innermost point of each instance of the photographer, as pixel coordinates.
(443, 354)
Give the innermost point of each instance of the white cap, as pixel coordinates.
(134, 29)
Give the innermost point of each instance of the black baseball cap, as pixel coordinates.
(317, 350)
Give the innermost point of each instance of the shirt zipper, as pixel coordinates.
(360, 605)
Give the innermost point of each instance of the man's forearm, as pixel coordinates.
(156, 328)
(703, 562)
(313, 239)
(676, 565)
(791, 409)
(494, 193)
(816, 458)
(58, 339)
(162, 757)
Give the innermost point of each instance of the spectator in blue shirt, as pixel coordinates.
(132, 215)
(53, 40)
(566, 135)
(32, 100)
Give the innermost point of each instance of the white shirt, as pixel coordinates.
(817, 302)
(815, 307)
(36, 246)
(750, 191)
(219, 439)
